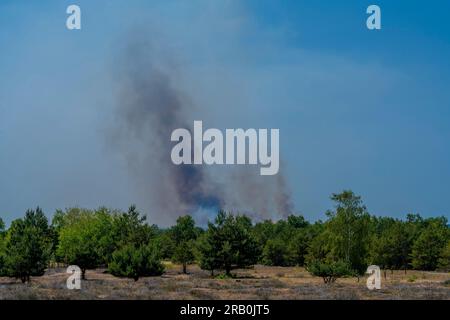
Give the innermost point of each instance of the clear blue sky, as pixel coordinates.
(357, 109)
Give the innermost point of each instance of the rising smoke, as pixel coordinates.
(151, 105)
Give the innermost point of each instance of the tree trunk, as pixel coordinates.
(184, 268)
(83, 274)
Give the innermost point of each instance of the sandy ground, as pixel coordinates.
(260, 282)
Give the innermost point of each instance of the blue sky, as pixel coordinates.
(357, 109)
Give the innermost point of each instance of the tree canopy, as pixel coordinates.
(125, 244)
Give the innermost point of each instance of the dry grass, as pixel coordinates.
(260, 282)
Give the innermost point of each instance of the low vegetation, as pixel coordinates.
(256, 283)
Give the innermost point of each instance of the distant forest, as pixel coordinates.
(128, 246)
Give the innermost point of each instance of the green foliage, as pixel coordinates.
(228, 244)
(165, 243)
(2, 247)
(412, 278)
(297, 222)
(341, 248)
(130, 227)
(284, 243)
(263, 232)
(330, 271)
(207, 255)
(135, 262)
(224, 276)
(444, 260)
(276, 253)
(346, 243)
(428, 247)
(391, 247)
(300, 242)
(184, 234)
(89, 238)
(83, 237)
(348, 231)
(28, 246)
(320, 249)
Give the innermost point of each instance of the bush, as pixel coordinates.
(133, 262)
(224, 276)
(412, 278)
(330, 271)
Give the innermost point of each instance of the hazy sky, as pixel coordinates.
(359, 109)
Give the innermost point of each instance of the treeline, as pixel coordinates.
(124, 243)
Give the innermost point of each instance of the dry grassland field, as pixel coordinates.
(260, 282)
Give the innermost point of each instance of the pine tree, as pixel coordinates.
(229, 243)
(135, 262)
(28, 246)
(184, 234)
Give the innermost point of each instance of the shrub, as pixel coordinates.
(412, 278)
(329, 271)
(135, 262)
(223, 276)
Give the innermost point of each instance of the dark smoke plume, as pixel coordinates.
(150, 106)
